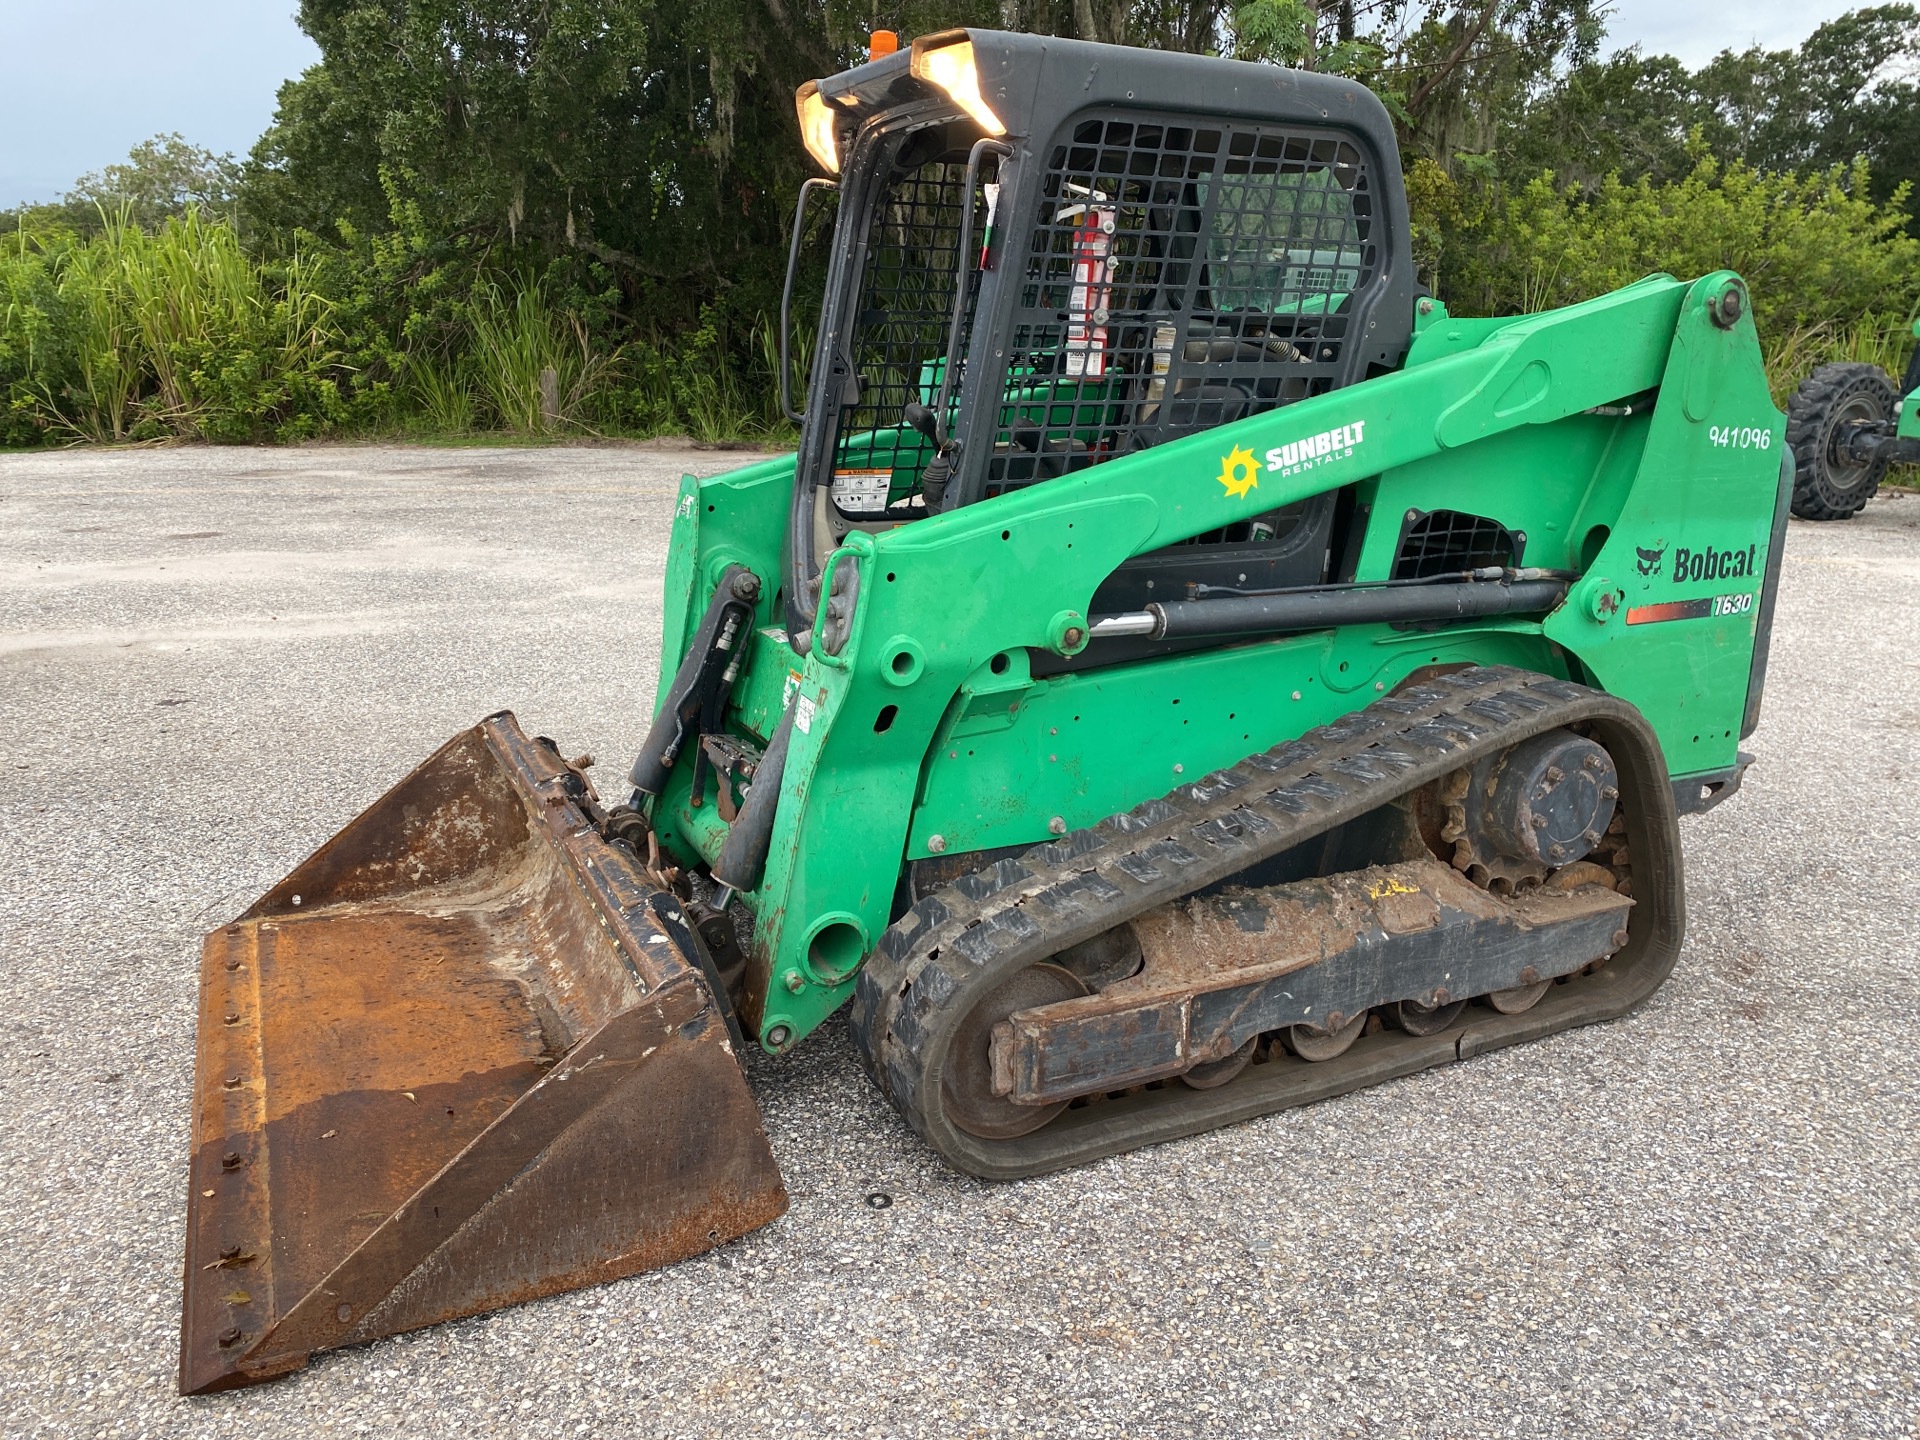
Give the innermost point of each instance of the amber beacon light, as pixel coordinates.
(951, 67)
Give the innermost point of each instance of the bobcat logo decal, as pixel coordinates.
(1649, 561)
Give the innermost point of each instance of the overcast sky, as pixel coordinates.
(83, 81)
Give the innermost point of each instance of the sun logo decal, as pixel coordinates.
(1239, 472)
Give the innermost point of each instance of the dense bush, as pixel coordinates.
(178, 333)
(1828, 267)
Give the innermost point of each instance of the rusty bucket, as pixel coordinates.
(465, 1055)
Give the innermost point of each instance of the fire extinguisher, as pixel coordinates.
(1091, 290)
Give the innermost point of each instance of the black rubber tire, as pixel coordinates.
(1824, 487)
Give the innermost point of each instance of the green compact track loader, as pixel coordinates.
(1184, 672)
(1846, 425)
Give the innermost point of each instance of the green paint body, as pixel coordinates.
(929, 734)
(1907, 425)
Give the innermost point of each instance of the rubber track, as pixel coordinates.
(955, 946)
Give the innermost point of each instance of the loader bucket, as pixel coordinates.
(465, 1055)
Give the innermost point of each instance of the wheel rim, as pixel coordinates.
(966, 1080)
(1846, 473)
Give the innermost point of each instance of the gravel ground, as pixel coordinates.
(1696, 1221)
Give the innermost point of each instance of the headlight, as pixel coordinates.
(951, 67)
(818, 121)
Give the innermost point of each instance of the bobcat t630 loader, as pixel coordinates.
(1184, 672)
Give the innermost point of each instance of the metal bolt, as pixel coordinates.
(1609, 792)
(1074, 636)
(1539, 822)
(1426, 307)
(343, 1313)
(778, 1036)
(1296, 694)
(1057, 826)
(1555, 774)
(233, 1082)
(232, 1018)
(231, 1160)
(1592, 762)
(796, 982)
(229, 1337)
(747, 586)
(936, 844)
(1179, 769)
(1558, 852)
(1619, 938)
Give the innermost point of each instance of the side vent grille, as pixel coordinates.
(1442, 541)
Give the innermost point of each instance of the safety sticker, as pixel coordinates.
(803, 714)
(862, 492)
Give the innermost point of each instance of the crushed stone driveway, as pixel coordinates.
(1699, 1220)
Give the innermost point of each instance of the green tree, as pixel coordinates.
(160, 179)
(1845, 94)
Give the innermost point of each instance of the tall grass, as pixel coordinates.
(100, 400)
(175, 333)
(535, 368)
(1874, 338)
(443, 393)
(178, 333)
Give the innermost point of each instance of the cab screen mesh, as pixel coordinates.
(1178, 277)
(900, 327)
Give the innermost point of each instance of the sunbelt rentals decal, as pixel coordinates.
(1240, 470)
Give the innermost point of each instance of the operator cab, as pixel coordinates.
(1045, 259)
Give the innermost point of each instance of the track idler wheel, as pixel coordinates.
(967, 1082)
(1310, 1042)
(1215, 1073)
(1520, 999)
(1417, 1019)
